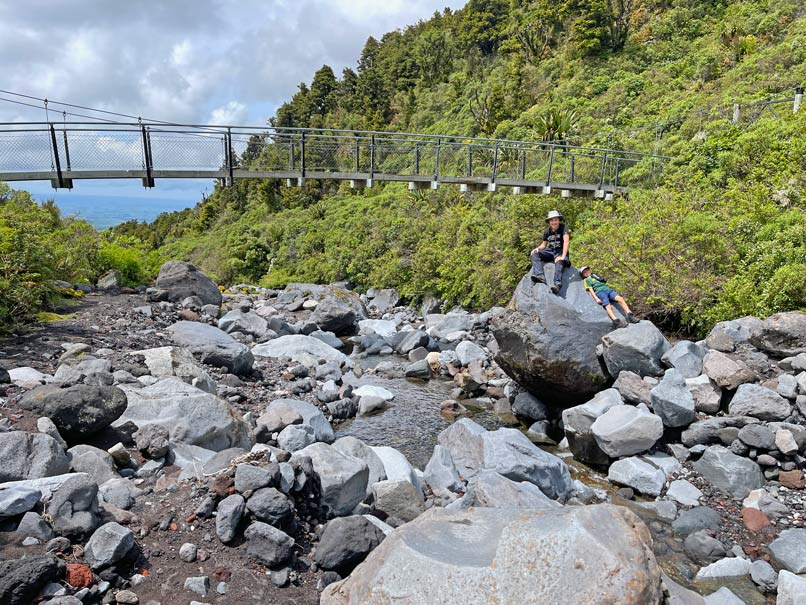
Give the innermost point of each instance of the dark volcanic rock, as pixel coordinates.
(181, 279)
(22, 579)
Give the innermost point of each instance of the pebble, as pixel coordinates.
(198, 584)
(188, 552)
(127, 597)
(221, 588)
(279, 577)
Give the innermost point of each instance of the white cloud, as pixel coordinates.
(233, 113)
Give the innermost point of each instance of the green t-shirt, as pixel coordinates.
(591, 283)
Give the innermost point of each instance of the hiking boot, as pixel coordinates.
(555, 288)
(617, 323)
(632, 318)
(539, 279)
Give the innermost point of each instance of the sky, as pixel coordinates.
(187, 61)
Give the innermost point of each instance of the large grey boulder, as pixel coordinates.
(789, 549)
(727, 335)
(637, 348)
(577, 423)
(732, 474)
(17, 500)
(97, 463)
(468, 352)
(338, 311)
(358, 449)
(547, 343)
(30, 456)
(705, 432)
(72, 371)
(759, 402)
(791, 588)
(268, 545)
(399, 499)
(781, 335)
(493, 490)
(396, 466)
(108, 545)
(175, 361)
(507, 452)
(441, 473)
(22, 579)
(707, 395)
(190, 415)
(78, 411)
(624, 430)
(247, 322)
(228, 517)
(345, 542)
(633, 388)
(672, 400)
(73, 506)
(528, 406)
(181, 279)
(307, 350)
(479, 556)
(282, 413)
(686, 357)
(342, 478)
(213, 346)
(384, 300)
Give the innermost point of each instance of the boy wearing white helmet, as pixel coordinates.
(553, 248)
(604, 295)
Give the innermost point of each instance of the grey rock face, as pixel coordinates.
(109, 281)
(152, 440)
(190, 415)
(577, 423)
(213, 346)
(244, 322)
(724, 371)
(547, 343)
(17, 500)
(339, 311)
(175, 361)
(249, 478)
(34, 526)
(384, 300)
(696, 519)
(303, 349)
(638, 474)
(398, 499)
(624, 430)
(343, 478)
(74, 506)
(758, 436)
(759, 402)
(703, 548)
(108, 545)
(181, 279)
(295, 437)
(268, 545)
(270, 506)
(465, 557)
(119, 492)
(732, 474)
(95, 462)
(441, 473)
(632, 388)
(727, 335)
(528, 406)
(468, 352)
(411, 340)
(358, 449)
(789, 549)
(30, 456)
(345, 542)
(491, 490)
(707, 395)
(705, 432)
(284, 412)
(672, 401)
(781, 335)
(22, 579)
(637, 348)
(763, 575)
(78, 411)
(791, 588)
(686, 357)
(230, 512)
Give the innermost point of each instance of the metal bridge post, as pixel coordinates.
(66, 150)
(59, 182)
(551, 167)
(436, 163)
(618, 169)
(148, 180)
(470, 160)
(417, 159)
(357, 155)
(572, 167)
(495, 163)
(523, 164)
(230, 157)
(602, 172)
(302, 159)
(372, 157)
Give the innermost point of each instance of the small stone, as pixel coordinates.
(198, 584)
(221, 588)
(764, 576)
(120, 454)
(126, 597)
(754, 519)
(79, 576)
(683, 492)
(188, 552)
(280, 577)
(792, 479)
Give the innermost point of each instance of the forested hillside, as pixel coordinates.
(723, 235)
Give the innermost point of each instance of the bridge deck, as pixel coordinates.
(64, 153)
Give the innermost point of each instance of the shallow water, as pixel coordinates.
(412, 422)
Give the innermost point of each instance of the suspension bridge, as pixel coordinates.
(64, 152)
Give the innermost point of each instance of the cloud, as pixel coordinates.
(219, 60)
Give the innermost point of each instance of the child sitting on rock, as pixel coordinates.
(604, 295)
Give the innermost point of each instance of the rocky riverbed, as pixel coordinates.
(179, 445)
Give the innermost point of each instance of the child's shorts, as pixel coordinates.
(607, 297)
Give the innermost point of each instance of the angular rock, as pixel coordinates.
(342, 478)
(730, 567)
(345, 542)
(303, 349)
(17, 500)
(672, 401)
(152, 440)
(384, 300)
(789, 550)
(30, 456)
(399, 499)
(284, 412)
(683, 492)
(728, 472)
(791, 589)
(781, 335)
(230, 512)
(121, 493)
(109, 544)
(244, 322)
(175, 361)
(547, 343)
(489, 489)
(268, 545)
(703, 548)
(97, 463)
(358, 449)
(723, 596)
(707, 395)
(382, 327)
(213, 346)
(181, 279)
(624, 430)
(727, 335)
(759, 402)
(270, 506)
(479, 556)
(369, 405)
(339, 311)
(249, 478)
(190, 415)
(637, 348)
(696, 519)
(78, 411)
(411, 340)
(707, 431)
(577, 423)
(724, 371)
(637, 474)
(468, 352)
(441, 473)
(22, 579)
(686, 357)
(763, 575)
(528, 406)
(633, 388)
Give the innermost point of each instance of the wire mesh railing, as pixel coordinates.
(75, 150)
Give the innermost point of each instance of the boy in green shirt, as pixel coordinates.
(604, 295)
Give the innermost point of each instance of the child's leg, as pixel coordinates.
(623, 304)
(610, 314)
